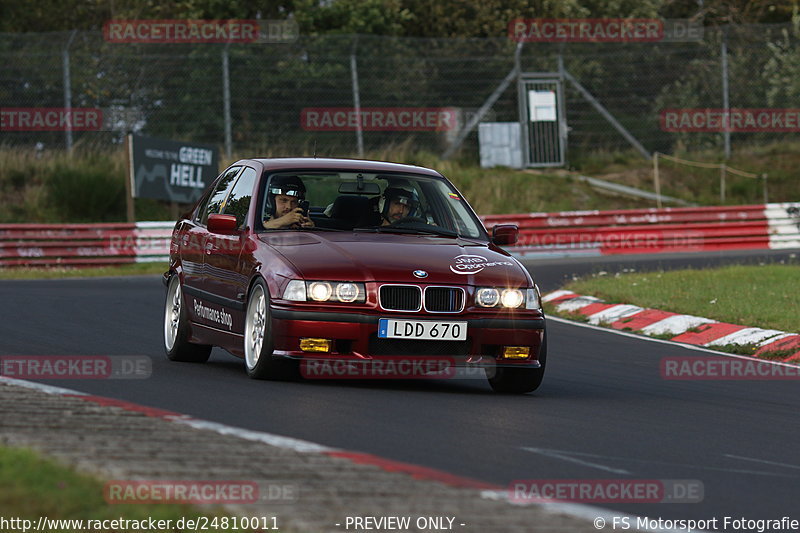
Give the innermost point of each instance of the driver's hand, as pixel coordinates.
(293, 218)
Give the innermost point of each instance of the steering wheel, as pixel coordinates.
(411, 220)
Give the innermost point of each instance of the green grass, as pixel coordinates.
(87, 186)
(764, 296)
(35, 486)
(134, 269)
(779, 160)
(51, 187)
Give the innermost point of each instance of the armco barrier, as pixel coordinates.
(48, 245)
(570, 233)
(637, 231)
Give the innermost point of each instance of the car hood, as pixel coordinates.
(387, 257)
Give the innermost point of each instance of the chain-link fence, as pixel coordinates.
(254, 98)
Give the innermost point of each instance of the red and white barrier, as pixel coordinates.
(637, 231)
(48, 245)
(566, 233)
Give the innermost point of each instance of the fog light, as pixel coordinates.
(516, 352)
(316, 345)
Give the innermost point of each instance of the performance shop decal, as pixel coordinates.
(472, 264)
(214, 315)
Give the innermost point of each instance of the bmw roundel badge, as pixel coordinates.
(420, 274)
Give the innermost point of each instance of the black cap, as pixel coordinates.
(288, 185)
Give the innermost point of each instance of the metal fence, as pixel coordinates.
(250, 98)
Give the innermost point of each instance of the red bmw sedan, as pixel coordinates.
(284, 262)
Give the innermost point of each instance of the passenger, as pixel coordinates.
(284, 196)
(398, 202)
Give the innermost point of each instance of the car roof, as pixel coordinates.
(321, 163)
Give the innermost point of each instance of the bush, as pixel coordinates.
(93, 192)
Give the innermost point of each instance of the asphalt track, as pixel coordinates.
(603, 412)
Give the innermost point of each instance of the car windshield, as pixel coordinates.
(386, 203)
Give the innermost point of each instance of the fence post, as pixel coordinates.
(67, 90)
(356, 99)
(722, 184)
(226, 100)
(656, 179)
(130, 212)
(726, 133)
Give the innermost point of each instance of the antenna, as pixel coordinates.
(315, 148)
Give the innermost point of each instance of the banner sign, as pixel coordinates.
(171, 170)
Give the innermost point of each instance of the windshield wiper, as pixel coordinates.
(318, 228)
(409, 231)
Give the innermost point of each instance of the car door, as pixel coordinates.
(194, 243)
(224, 271)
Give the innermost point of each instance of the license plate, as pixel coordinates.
(427, 330)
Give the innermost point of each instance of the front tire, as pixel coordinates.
(176, 328)
(520, 380)
(258, 347)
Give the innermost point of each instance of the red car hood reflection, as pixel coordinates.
(387, 257)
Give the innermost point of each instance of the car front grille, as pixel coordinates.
(409, 298)
(401, 297)
(444, 299)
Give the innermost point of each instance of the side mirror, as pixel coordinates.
(222, 223)
(505, 234)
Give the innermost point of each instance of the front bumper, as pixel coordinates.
(355, 338)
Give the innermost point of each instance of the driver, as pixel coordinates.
(284, 195)
(398, 202)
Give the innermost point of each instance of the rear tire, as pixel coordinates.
(258, 347)
(520, 380)
(176, 328)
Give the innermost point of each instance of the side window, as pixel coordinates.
(239, 200)
(215, 200)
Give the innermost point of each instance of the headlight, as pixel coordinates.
(512, 298)
(325, 291)
(320, 291)
(347, 292)
(503, 297)
(487, 297)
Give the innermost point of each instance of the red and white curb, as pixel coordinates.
(488, 491)
(682, 328)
